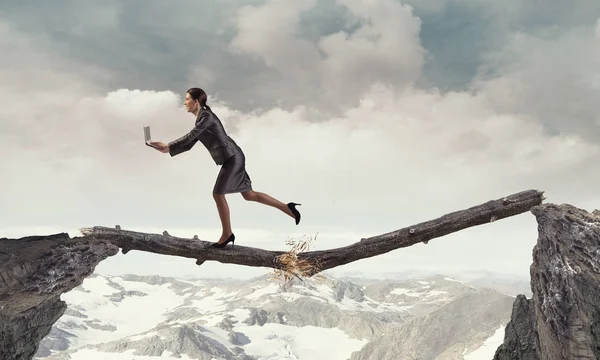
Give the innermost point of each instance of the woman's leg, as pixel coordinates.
(224, 215)
(267, 200)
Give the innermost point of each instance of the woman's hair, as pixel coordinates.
(200, 95)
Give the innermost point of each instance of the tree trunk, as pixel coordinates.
(312, 262)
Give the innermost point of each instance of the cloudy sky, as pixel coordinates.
(374, 115)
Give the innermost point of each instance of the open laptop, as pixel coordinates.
(147, 137)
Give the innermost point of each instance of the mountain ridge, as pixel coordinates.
(224, 315)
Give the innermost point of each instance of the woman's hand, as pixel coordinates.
(162, 147)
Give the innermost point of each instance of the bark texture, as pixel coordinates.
(321, 260)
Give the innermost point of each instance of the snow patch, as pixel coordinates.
(219, 335)
(289, 296)
(487, 350)
(142, 312)
(404, 291)
(409, 292)
(281, 342)
(98, 285)
(258, 292)
(88, 354)
(143, 336)
(325, 294)
(239, 314)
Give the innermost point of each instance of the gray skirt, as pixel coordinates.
(233, 177)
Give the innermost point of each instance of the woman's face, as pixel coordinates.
(191, 105)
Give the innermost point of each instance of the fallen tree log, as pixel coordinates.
(312, 262)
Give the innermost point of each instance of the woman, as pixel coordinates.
(232, 177)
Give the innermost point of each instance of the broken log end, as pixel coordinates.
(86, 231)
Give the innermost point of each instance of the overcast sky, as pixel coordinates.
(373, 115)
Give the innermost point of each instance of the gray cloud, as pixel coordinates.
(551, 80)
(336, 68)
(189, 47)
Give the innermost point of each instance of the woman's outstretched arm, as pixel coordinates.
(187, 141)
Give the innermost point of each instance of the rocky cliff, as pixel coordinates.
(34, 272)
(562, 319)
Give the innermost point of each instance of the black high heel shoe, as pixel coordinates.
(292, 206)
(231, 239)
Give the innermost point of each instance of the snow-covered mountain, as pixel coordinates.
(135, 317)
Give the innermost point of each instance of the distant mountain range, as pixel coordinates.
(150, 317)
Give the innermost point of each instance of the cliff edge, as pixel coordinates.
(562, 319)
(34, 272)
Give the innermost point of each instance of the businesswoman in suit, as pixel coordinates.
(232, 177)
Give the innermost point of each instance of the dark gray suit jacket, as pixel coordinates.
(209, 130)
